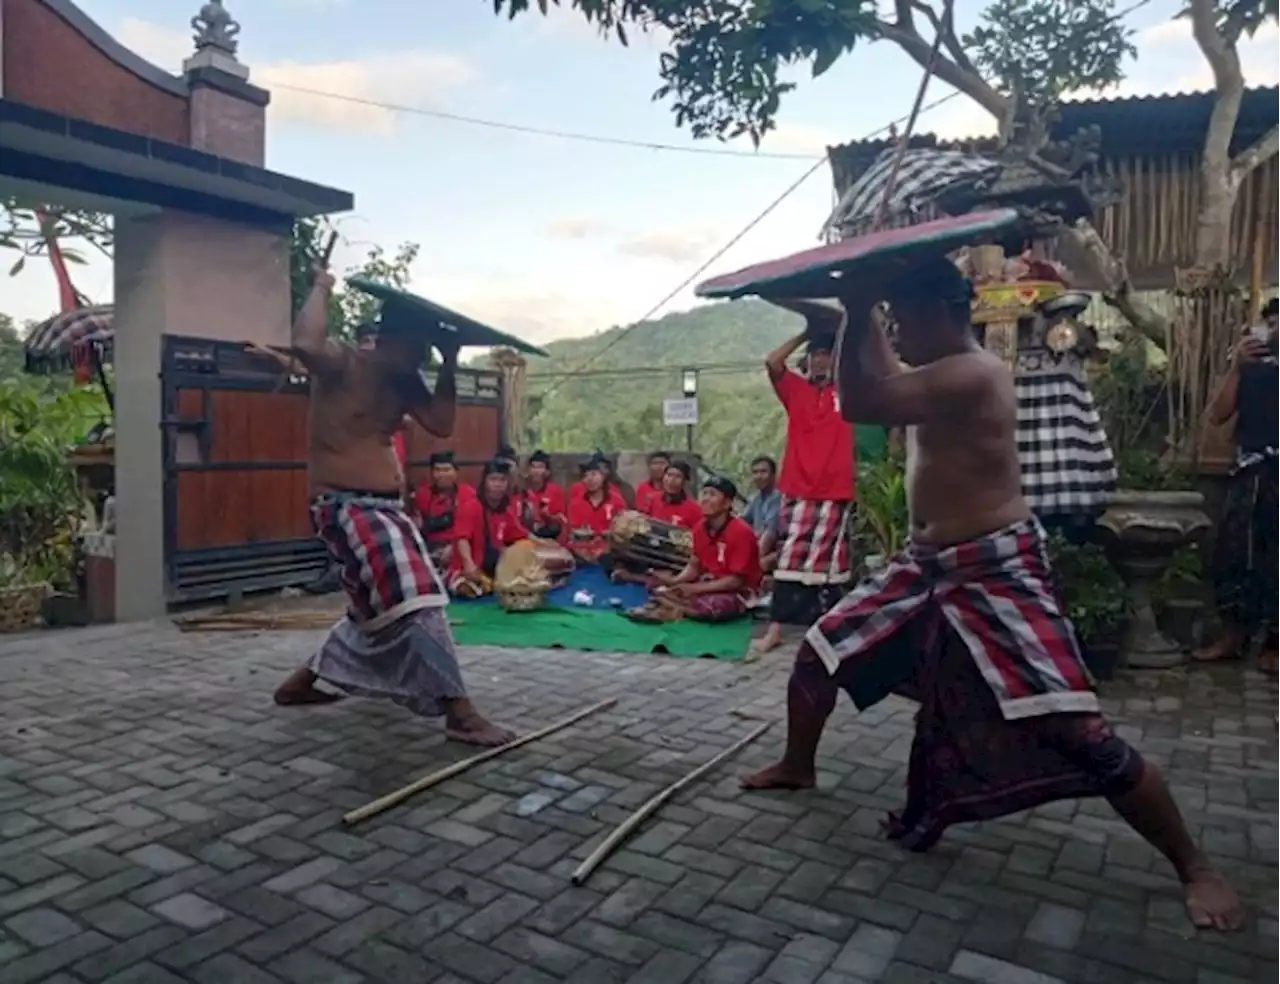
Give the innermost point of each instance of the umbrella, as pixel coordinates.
(61, 341)
(407, 311)
(818, 272)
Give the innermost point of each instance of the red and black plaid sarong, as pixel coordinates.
(381, 556)
(995, 593)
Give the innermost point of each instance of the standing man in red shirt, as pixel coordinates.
(724, 571)
(486, 524)
(438, 503)
(673, 504)
(651, 487)
(541, 504)
(817, 480)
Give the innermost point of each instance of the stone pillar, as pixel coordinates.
(140, 306)
(177, 274)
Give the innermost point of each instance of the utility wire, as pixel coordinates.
(1120, 15)
(539, 131)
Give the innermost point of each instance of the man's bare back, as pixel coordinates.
(963, 476)
(356, 407)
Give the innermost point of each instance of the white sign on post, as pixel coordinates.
(680, 413)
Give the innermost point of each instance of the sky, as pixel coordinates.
(544, 237)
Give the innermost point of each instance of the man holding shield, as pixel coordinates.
(965, 620)
(395, 641)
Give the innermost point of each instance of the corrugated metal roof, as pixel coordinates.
(1157, 124)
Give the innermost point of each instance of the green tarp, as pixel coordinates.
(596, 631)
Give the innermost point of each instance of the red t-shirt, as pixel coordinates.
(731, 551)
(686, 513)
(588, 523)
(539, 507)
(505, 529)
(433, 505)
(817, 462)
(646, 492)
(578, 490)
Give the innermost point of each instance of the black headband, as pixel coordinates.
(722, 485)
(496, 467)
(682, 467)
(938, 278)
(440, 458)
(540, 457)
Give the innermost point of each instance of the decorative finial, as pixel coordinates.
(215, 28)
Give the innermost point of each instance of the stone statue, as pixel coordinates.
(215, 28)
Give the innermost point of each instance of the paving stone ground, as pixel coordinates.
(162, 821)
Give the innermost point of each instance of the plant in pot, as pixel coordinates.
(1179, 596)
(1095, 600)
(881, 521)
(40, 504)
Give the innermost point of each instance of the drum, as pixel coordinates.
(642, 543)
(556, 560)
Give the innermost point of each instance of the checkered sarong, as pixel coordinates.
(923, 177)
(381, 556)
(812, 546)
(1066, 460)
(996, 595)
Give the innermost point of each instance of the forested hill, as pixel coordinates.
(615, 401)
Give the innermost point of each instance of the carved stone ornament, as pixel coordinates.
(215, 28)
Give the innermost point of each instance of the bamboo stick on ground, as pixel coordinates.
(448, 772)
(628, 826)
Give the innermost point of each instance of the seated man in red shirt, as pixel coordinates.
(602, 464)
(486, 524)
(673, 505)
(724, 572)
(651, 487)
(437, 503)
(591, 513)
(540, 504)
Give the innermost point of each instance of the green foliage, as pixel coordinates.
(22, 232)
(1091, 589)
(347, 308)
(40, 504)
(721, 71)
(1045, 49)
(617, 402)
(883, 522)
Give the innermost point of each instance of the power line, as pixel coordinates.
(1120, 15)
(539, 131)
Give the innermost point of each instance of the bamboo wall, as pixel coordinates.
(1153, 226)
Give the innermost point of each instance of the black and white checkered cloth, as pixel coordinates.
(1067, 464)
(924, 177)
(52, 344)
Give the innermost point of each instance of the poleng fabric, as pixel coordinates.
(812, 546)
(1065, 458)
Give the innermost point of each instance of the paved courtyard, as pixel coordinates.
(162, 821)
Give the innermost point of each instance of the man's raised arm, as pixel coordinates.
(437, 411)
(309, 338)
(865, 359)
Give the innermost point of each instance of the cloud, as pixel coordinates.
(381, 78)
(681, 246)
(578, 227)
(800, 138)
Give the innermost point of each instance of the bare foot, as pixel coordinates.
(771, 639)
(475, 730)
(1211, 901)
(780, 776)
(300, 688)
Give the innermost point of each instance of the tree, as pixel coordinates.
(25, 232)
(721, 76)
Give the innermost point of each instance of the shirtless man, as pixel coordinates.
(395, 641)
(965, 620)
